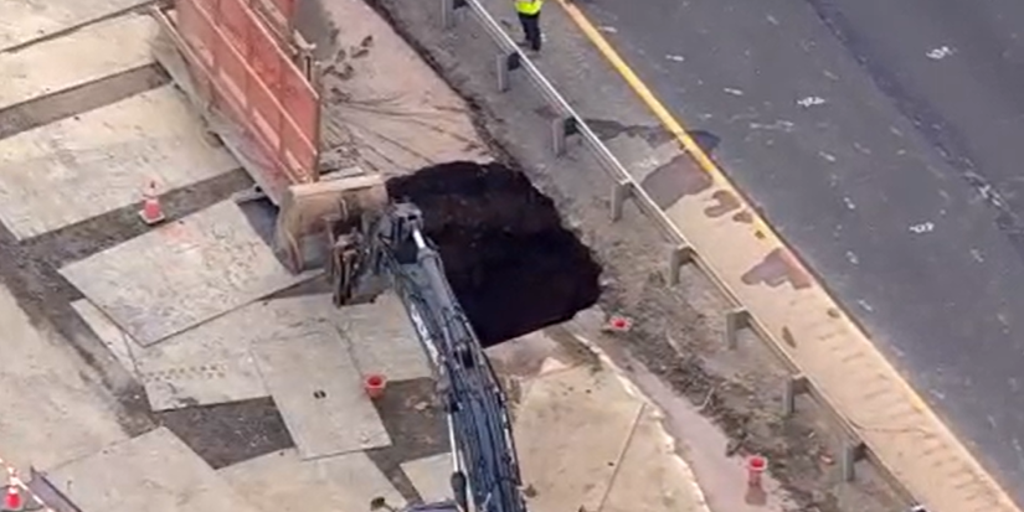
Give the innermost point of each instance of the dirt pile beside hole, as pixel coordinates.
(511, 263)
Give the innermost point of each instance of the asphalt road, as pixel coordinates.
(885, 141)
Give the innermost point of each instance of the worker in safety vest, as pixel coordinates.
(529, 16)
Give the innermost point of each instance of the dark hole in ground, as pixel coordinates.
(511, 263)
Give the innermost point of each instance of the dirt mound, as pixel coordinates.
(511, 263)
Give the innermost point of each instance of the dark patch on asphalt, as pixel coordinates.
(744, 217)
(706, 141)
(417, 427)
(674, 180)
(725, 202)
(777, 268)
(607, 129)
(512, 264)
(80, 99)
(226, 434)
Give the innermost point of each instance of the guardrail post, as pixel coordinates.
(448, 8)
(504, 64)
(794, 387)
(621, 191)
(852, 453)
(735, 320)
(679, 256)
(561, 129)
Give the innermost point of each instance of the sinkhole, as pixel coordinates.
(510, 261)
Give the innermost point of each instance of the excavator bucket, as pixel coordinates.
(329, 208)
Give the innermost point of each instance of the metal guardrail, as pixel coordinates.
(571, 123)
(626, 187)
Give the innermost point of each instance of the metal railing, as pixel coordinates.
(570, 123)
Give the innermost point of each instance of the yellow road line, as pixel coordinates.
(675, 127)
(678, 130)
(669, 121)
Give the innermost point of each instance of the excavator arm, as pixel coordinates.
(389, 249)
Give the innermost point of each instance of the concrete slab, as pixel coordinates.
(318, 390)
(117, 341)
(96, 51)
(651, 477)
(431, 476)
(383, 339)
(155, 472)
(86, 165)
(283, 482)
(55, 407)
(213, 362)
(181, 274)
(571, 428)
(27, 20)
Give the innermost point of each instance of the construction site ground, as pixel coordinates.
(183, 366)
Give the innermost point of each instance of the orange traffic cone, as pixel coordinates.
(756, 466)
(619, 324)
(756, 494)
(152, 213)
(12, 500)
(374, 385)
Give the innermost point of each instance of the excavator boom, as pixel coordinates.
(390, 249)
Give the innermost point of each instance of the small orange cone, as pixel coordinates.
(12, 500)
(756, 466)
(756, 494)
(375, 384)
(152, 213)
(619, 324)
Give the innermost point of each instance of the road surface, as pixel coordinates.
(882, 141)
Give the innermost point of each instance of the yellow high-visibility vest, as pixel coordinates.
(528, 7)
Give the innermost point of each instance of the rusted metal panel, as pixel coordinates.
(244, 73)
(277, 15)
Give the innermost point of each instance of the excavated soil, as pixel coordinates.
(510, 261)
